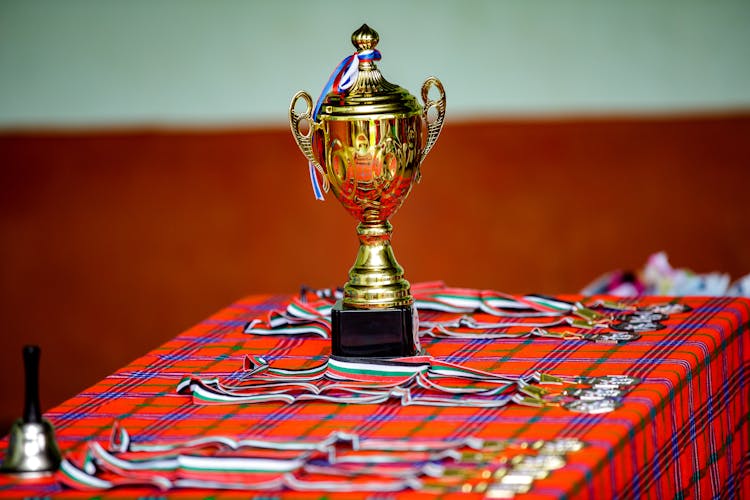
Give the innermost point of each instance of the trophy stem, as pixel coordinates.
(376, 281)
(376, 318)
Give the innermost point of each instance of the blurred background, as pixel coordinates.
(148, 176)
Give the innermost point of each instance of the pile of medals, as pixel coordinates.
(484, 314)
(415, 380)
(339, 463)
(422, 380)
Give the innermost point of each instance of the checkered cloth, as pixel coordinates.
(683, 432)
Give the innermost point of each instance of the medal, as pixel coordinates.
(638, 326)
(595, 393)
(562, 446)
(592, 407)
(668, 309)
(609, 381)
(612, 337)
(644, 316)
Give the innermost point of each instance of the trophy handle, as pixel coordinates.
(433, 129)
(304, 141)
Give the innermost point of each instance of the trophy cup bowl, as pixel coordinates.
(366, 140)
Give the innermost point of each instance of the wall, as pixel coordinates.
(225, 62)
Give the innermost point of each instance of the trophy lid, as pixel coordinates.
(370, 93)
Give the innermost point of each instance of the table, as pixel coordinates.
(682, 432)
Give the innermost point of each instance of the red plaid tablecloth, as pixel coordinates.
(683, 432)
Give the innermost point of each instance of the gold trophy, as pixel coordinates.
(365, 140)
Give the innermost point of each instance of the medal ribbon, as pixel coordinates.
(310, 314)
(341, 462)
(434, 297)
(416, 380)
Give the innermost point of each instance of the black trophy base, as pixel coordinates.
(374, 333)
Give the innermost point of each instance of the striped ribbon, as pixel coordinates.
(344, 76)
(300, 317)
(311, 313)
(340, 81)
(121, 442)
(416, 380)
(435, 297)
(341, 462)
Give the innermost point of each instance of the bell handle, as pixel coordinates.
(434, 127)
(32, 410)
(304, 141)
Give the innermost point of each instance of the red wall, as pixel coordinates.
(111, 243)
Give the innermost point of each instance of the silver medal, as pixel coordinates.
(615, 338)
(609, 381)
(595, 393)
(592, 407)
(669, 309)
(561, 446)
(636, 327)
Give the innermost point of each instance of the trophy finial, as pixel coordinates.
(365, 38)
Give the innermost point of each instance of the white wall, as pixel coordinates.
(132, 62)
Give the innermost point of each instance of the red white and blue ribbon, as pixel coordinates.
(344, 76)
(340, 81)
